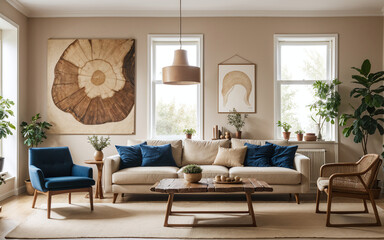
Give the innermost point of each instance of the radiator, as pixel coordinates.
(317, 157)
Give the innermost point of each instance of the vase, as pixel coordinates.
(300, 137)
(98, 156)
(319, 135)
(286, 135)
(238, 134)
(188, 136)
(192, 177)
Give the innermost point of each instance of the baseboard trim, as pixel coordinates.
(7, 195)
(21, 190)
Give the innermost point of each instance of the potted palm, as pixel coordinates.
(6, 126)
(237, 120)
(192, 173)
(189, 132)
(286, 127)
(99, 143)
(34, 134)
(299, 135)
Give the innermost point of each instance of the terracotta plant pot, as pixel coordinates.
(188, 136)
(28, 186)
(300, 137)
(98, 156)
(286, 135)
(192, 177)
(238, 134)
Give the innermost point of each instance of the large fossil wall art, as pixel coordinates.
(236, 88)
(92, 85)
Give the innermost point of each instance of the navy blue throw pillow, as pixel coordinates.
(130, 155)
(258, 156)
(157, 155)
(283, 155)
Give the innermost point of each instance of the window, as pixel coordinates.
(300, 60)
(174, 107)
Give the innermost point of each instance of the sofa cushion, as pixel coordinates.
(68, 182)
(230, 157)
(271, 175)
(130, 155)
(240, 142)
(283, 156)
(177, 147)
(157, 156)
(209, 171)
(322, 183)
(143, 175)
(202, 152)
(258, 156)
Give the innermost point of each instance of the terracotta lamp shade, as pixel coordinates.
(180, 73)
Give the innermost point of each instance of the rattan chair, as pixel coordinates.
(351, 180)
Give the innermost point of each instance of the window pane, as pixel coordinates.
(164, 57)
(176, 109)
(303, 62)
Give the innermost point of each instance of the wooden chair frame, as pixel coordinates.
(367, 195)
(69, 191)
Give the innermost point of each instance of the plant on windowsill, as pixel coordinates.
(286, 127)
(367, 117)
(326, 107)
(99, 143)
(34, 134)
(192, 173)
(299, 135)
(5, 125)
(189, 132)
(235, 119)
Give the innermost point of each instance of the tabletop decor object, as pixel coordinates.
(99, 143)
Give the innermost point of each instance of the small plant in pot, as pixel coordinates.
(237, 120)
(286, 127)
(189, 132)
(99, 143)
(192, 173)
(300, 134)
(6, 126)
(34, 133)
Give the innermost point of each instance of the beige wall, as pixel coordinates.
(9, 12)
(252, 38)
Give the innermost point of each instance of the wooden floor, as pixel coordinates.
(16, 209)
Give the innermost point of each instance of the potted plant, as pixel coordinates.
(34, 134)
(192, 173)
(188, 132)
(5, 125)
(235, 119)
(99, 143)
(367, 117)
(326, 107)
(300, 134)
(286, 127)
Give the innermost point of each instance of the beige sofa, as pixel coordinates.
(203, 153)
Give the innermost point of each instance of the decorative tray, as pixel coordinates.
(228, 182)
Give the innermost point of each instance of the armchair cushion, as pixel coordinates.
(322, 183)
(37, 178)
(82, 171)
(68, 182)
(53, 161)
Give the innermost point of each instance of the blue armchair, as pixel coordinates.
(52, 172)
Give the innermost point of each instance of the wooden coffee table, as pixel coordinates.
(179, 185)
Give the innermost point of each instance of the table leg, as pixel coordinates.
(169, 209)
(250, 208)
(99, 177)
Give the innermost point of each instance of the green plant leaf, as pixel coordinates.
(365, 67)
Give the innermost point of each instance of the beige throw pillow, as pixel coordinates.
(231, 157)
(202, 152)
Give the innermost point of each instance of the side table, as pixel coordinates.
(99, 187)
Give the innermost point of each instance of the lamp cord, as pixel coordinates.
(180, 25)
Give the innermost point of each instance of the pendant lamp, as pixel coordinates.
(180, 72)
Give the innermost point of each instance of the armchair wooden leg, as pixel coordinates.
(115, 197)
(297, 197)
(378, 222)
(365, 206)
(329, 203)
(69, 198)
(91, 197)
(318, 201)
(34, 198)
(49, 204)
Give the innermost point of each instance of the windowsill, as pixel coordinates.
(312, 142)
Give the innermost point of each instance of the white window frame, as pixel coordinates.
(167, 38)
(297, 39)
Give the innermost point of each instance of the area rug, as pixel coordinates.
(145, 220)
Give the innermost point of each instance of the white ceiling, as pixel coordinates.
(197, 8)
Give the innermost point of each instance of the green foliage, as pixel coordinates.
(189, 131)
(99, 143)
(5, 112)
(367, 117)
(34, 132)
(300, 132)
(284, 125)
(192, 168)
(2, 179)
(235, 119)
(326, 107)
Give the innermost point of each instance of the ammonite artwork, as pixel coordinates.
(236, 88)
(94, 83)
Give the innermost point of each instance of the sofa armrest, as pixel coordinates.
(37, 178)
(82, 171)
(302, 165)
(111, 165)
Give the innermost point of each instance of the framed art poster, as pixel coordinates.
(237, 88)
